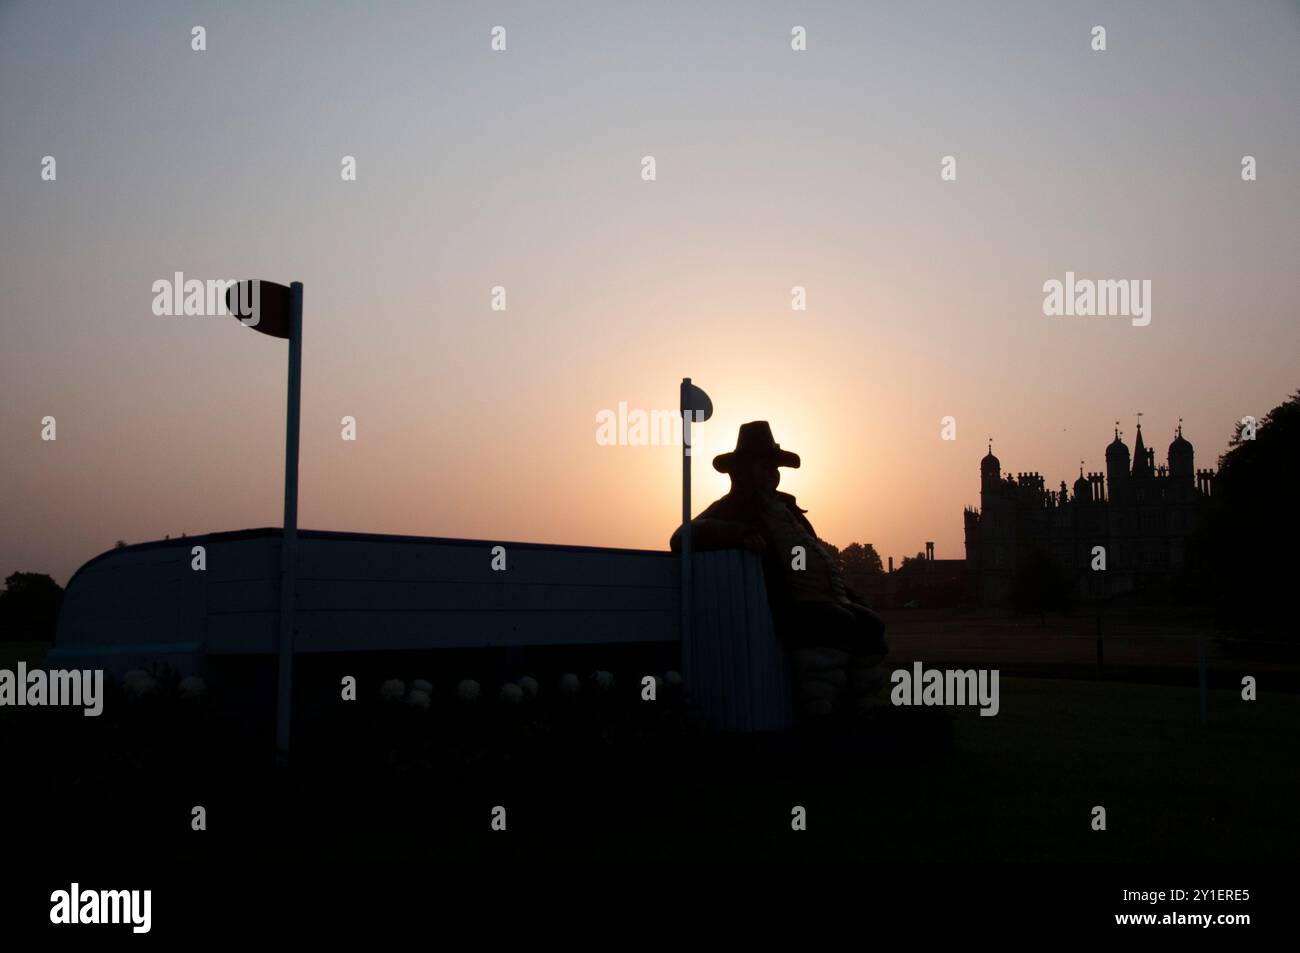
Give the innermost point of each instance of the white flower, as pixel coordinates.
(569, 684)
(673, 678)
(529, 685)
(420, 685)
(419, 698)
(393, 690)
(192, 688)
(467, 690)
(511, 694)
(604, 680)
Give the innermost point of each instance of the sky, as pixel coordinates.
(522, 169)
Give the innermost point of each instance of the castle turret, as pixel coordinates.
(1181, 457)
(1116, 461)
(990, 468)
(1082, 487)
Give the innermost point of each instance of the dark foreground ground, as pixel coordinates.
(391, 797)
(1020, 787)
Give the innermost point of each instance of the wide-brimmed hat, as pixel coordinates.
(755, 442)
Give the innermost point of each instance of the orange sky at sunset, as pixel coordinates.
(924, 297)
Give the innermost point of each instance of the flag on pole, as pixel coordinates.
(695, 408)
(695, 401)
(261, 305)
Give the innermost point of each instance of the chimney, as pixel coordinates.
(929, 551)
(891, 563)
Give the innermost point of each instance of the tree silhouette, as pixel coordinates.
(860, 559)
(1247, 553)
(30, 604)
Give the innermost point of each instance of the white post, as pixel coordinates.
(687, 414)
(289, 541)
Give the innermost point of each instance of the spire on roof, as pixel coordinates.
(1141, 459)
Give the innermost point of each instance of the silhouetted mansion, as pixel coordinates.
(1141, 514)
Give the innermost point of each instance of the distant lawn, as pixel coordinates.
(1026, 780)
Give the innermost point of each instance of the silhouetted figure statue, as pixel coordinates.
(835, 639)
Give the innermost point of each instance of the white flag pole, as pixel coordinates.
(687, 414)
(696, 408)
(289, 541)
